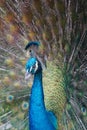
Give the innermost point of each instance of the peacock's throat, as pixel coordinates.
(37, 111)
(37, 95)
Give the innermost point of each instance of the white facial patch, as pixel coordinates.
(31, 68)
(36, 66)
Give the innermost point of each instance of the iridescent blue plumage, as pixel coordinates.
(39, 118)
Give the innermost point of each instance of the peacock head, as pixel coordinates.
(36, 61)
(33, 66)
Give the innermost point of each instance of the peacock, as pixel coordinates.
(49, 37)
(37, 106)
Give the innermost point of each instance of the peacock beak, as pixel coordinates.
(27, 75)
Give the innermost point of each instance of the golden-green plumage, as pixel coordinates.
(55, 96)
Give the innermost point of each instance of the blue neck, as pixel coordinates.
(38, 118)
(37, 96)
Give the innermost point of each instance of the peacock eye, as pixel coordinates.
(83, 109)
(34, 66)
